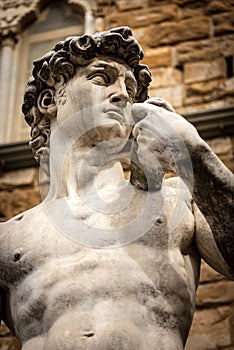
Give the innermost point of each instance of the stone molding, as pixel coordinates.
(16, 14)
(213, 122)
(16, 155)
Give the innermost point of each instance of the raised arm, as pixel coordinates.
(167, 139)
(214, 195)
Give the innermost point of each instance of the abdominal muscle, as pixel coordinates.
(102, 302)
(75, 330)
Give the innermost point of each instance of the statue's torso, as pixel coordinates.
(136, 295)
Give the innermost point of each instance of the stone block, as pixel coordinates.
(139, 18)
(222, 146)
(223, 102)
(99, 24)
(18, 178)
(139, 34)
(194, 51)
(204, 88)
(9, 343)
(191, 12)
(124, 5)
(211, 329)
(228, 86)
(223, 23)
(16, 201)
(183, 2)
(173, 32)
(158, 57)
(165, 77)
(203, 71)
(219, 292)
(207, 48)
(174, 94)
(217, 6)
(208, 274)
(209, 91)
(157, 2)
(206, 91)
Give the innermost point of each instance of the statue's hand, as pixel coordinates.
(162, 139)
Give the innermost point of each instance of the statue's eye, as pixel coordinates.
(99, 79)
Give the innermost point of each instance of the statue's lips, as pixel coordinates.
(115, 114)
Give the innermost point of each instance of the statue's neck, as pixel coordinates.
(82, 171)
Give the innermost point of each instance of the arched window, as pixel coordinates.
(55, 23)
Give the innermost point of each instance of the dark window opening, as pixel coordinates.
(180, 67)
(229, 62)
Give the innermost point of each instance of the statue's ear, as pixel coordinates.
(46, 103)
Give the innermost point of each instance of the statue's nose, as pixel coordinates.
(119, 93)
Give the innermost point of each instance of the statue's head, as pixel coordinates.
(45, 90)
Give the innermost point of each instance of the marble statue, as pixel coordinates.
(106, 263)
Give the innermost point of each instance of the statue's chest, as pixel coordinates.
(160, 220)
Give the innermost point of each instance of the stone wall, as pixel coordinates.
(188, 44)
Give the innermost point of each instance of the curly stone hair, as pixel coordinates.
(60, 64)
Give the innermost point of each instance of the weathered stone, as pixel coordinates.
(158, 57)
(124, 5)
(224, 102)
(18, 178)
(139, 34)
(211, 329)
(144, 17)
(208, 274)
(169, 33)
(215, 6)
(4, 330)
(224, 148)
(174, 95)
(152, 3)
(194, 51)
(208, 48)
(166, 77)
(183, 2)
(202, 71)
(204, 88)
(99, 24)
(9, 343)
(219, 292)
(208, 91)
(228, 86)
(223, 23)
(16, 201)
(192, 12)
(221, 146)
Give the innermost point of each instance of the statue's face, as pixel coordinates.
(99, 98)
